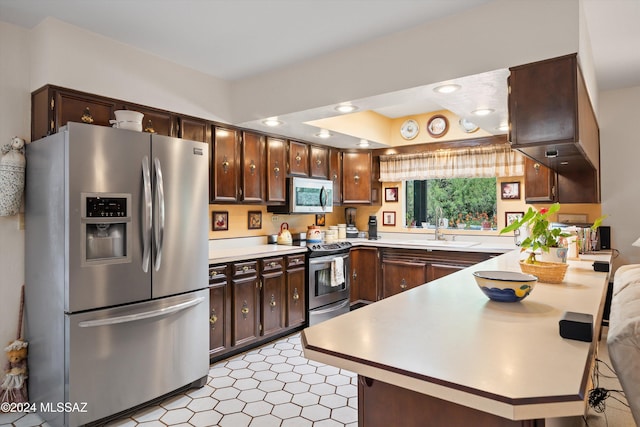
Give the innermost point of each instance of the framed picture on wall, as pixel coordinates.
(510, 190)
(391, 194)
(510, 217)
(389, 218)
(320, 220)
(254, 220)
(220, 220)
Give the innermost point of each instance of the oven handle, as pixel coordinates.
(324, 260)
(332, 307)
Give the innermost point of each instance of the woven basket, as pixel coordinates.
(547, 272)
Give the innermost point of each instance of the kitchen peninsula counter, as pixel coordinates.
(443, 352)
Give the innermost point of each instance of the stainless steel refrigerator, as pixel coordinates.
(116, 270)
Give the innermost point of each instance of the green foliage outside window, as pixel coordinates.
(468, 201)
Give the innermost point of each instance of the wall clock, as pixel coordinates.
(437, 126)
(409, 129)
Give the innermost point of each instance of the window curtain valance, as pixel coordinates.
(472, 162)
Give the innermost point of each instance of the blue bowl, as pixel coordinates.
(505, 286)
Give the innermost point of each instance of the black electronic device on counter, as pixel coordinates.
(604, 238)
(577, 326)
(373, 227)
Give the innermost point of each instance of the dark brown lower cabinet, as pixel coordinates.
(272, 296)
(436, 271)
(381, 405)
(364, 274)
(219, 310)
(295, 278)
(399, 276)
(254, 301)
(245, 303)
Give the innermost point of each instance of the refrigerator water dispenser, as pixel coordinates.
(105, 228)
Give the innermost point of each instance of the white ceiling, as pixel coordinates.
(235, 39)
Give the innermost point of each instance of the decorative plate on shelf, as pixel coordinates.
(467, 126)
(437, 126)
(409, 129)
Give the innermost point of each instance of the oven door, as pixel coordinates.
(323, 289)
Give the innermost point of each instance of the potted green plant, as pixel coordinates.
(541, 235)
(541, 238)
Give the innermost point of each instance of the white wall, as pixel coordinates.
(496, 35)
(619, 158)
(15, 120)
(69, 56)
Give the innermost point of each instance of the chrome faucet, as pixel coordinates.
(438, 217)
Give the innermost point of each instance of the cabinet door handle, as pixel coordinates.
(298, 159)
(354, 275)
(252, 167)
(403, 284)
(225, 165)
(356, 178)
(318, 162)
(296, 296)
(245, 309)
(213, 319)
(276, 169)
(273, 264)
(272, 303)
(86, 116)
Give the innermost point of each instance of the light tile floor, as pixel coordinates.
(273, 385)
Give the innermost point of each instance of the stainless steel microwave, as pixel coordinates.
(306, 195)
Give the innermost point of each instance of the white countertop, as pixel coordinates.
(447, 339)
(230, 254)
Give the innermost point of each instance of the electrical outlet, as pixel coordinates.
(274, 217)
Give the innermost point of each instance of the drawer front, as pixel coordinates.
(272, 264)
(217, 273)
(244, 268)
(295, 261)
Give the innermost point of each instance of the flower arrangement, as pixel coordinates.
(541, 236)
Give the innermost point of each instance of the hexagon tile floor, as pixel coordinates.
(270, 386)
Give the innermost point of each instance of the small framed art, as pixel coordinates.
(510, 217)
(389, 218)
(510, 190)
(220, 220)
(320, 220)
(391, 194)
(254, 219)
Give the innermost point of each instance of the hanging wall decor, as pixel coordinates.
(12, 168)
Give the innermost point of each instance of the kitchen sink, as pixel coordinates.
(442, 243)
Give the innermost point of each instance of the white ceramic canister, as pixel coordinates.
(314, 234)
(342, 231)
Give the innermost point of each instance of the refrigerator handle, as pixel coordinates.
(140, 316)
(148, 211)
(159, 225)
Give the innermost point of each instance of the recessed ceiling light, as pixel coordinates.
(503, 127)
(272, 122)
(448, 88)
(346, 107)
(483, 111)
(324, 134)
(363, 143)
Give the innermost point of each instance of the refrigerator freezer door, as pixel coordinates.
(104, 160)
(160, 341)
(181, 210)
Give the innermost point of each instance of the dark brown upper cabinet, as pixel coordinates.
(552, 122)
(253, 168)
(276, 173)
(356, 177)
(319, 162)
(225, 158)
(298, 158)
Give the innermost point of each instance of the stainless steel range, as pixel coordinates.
(329, 280)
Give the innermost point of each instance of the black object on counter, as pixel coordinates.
(373, 227)
(576, 326)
